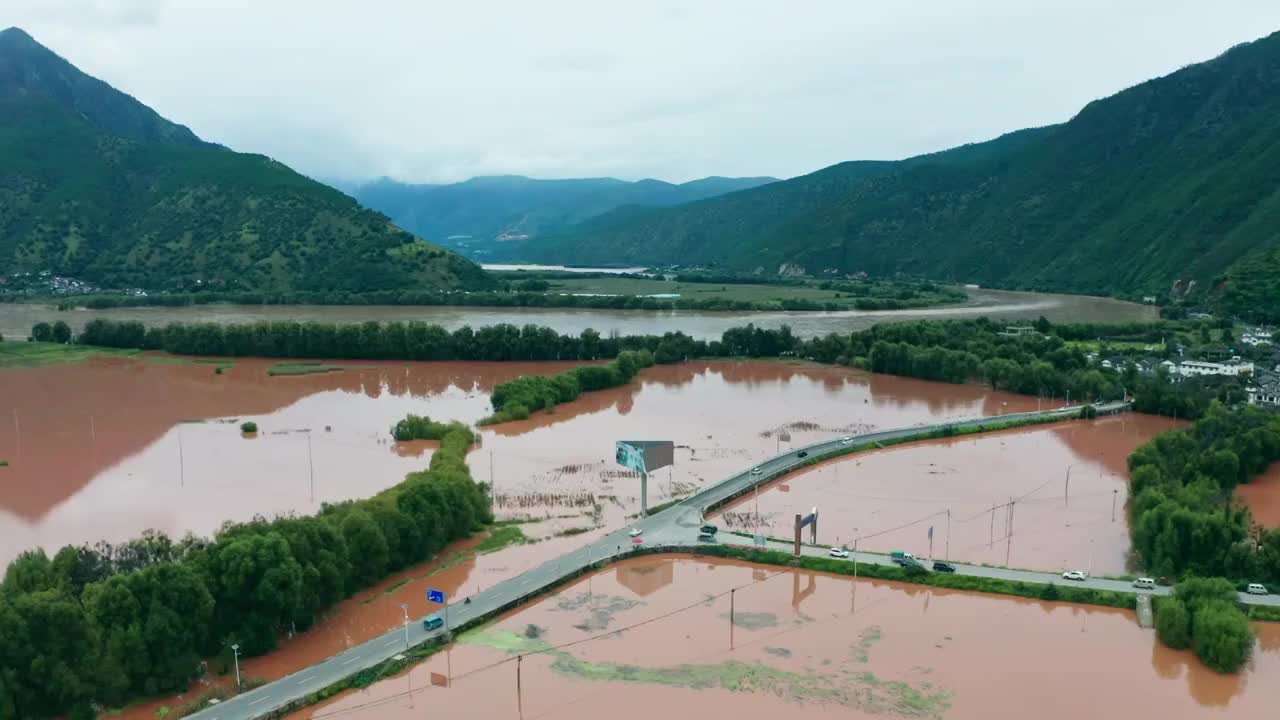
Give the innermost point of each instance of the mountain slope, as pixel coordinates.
(484, 209)
(95, 185)
(1174, 179)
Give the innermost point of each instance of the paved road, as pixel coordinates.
(677, 526)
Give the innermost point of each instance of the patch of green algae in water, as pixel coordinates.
(861, 690)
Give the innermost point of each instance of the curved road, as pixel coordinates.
(675, 527)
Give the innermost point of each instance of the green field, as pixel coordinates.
(22, 355)
(303, 368)
(760, 294)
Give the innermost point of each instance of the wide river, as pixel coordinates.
(16, 319)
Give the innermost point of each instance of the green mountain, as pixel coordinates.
(483, 214)
(1172, 181)
(97, 186)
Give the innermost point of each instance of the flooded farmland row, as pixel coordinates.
(655, 636)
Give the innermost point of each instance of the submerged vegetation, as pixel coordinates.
(860, 690)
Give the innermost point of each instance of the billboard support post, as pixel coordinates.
(643, 457)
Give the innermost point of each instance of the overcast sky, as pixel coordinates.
(434, 91)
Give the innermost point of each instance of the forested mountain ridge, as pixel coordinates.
(483, 214)
(1175, 179)
(97, 186)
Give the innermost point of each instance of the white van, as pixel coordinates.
(1256, 589)
(1144, 583)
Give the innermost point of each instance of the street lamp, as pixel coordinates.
(235, 649)
(405, 608)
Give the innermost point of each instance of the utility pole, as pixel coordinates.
(405, 608)
(519, 698)
(17, 429)
(491, 493)
(311, 469)
(93, 432)
(1009, 547)
(236, 650)
(1115, 494)
(992, 538)
(182, 467)
(731, 592)
(947, 556)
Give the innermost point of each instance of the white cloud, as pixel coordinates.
(441, 91)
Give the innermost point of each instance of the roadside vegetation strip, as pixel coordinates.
(518, 398)
(304, 368)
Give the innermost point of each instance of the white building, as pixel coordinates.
(1256, 337)
(1234, 368)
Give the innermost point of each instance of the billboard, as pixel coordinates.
(645, 456)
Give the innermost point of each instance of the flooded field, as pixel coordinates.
(16, 319)
(1262, 497)
(1068, 481)
(108, 448)
(653, 637)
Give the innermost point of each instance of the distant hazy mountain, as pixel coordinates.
(480, 215)
(96, 185)
(1172, 180)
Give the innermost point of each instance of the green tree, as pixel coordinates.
(1222, 637)
(61, 332)
(42, 332)
(1173, 623)
(367, 548)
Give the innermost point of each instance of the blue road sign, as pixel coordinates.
(435, 596)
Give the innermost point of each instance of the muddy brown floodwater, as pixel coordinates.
(16, 319)
(1262, 497)
(652, 637)
(108, 448)
(1069, 482)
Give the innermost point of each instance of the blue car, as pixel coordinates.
(431, 622)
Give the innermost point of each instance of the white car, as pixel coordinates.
(1256, 589)
(757, 471)
(1075, 575)
(846, 440)
(838, 552)
(635, 532)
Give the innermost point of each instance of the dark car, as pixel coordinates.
(707, 537)
(940, 566)
(802, 453)
(708, 529)
(431, 622)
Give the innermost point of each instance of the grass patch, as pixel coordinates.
(1264, 613)
(303, 367)
(998, 586)
(573, 531)
(24, 355)
(499, 538)
(4, 463)
(218, 364)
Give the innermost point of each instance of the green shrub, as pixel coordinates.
(1222, 637)
(249, 426)
(1173, 623)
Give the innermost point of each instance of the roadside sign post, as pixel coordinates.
(437, 596)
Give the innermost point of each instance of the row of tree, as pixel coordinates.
(516, 399)
(57, 332)
(105, 625)
(1203, 614)
(1184, 519)
(1042, 364)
